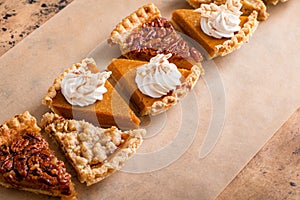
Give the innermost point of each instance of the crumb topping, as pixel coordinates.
(94, 152)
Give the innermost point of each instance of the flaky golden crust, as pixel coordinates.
(248, 6)
(67, 132)
(12, 127)
(16, 126)
(239, 38)
(136, 19)
(167, 102)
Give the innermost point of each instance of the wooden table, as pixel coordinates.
(20, 18)
(274, 173)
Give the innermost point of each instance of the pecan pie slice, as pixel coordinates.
(94, 152)
(145, 33)
(248, 6)
(27, 163)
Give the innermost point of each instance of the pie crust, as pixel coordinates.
(123, 72)
(112, 110)
(183, 18)
(248, 6)
(144, 34)
(136, 19)
(27, 163)
(85, 144)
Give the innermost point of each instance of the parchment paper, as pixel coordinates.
(261, 84)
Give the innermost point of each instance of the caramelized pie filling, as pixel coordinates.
(28, 160)
(158, 37)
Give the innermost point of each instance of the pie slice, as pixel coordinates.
(144, 34)
(27, 163)
(188, 21)
(124, 72)
(112, 110)
(274, 2)
(94, 152)
(248, 6)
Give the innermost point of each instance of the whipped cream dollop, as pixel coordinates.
(81, 87)
(158, 77)
(220, 21)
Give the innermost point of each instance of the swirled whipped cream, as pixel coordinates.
(158, 77)
(81, 87)
(220, 21)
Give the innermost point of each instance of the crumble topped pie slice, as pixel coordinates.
(145, 33)
(94, 152)
(109, 110)
(190, 22)
(27, 163)
(248, 6)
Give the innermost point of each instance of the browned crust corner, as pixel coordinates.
(15, 125)
(238, 39)
(145, 13)
(178, 94)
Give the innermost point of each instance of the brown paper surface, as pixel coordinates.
(260, 82)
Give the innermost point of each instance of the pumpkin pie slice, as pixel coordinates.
(94, 152)
(188, 21)
(27, 163)
(145, 33)
(248, 6)
(112, 110)
(124, 72)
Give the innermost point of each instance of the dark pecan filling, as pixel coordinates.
(158, 36)
(28, 160)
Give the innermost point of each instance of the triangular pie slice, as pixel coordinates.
(94, 152)
(27, 163)
(248, 6)
(124, 72)
(112, 110)
(145, 33)
(188, 21)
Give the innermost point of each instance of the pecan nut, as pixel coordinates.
(158, 36)
(28, 158)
